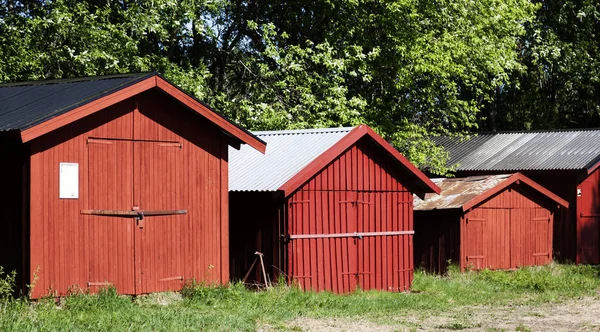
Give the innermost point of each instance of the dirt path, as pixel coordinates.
(574, 315)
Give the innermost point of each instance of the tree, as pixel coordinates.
(561, 86)
(410, 69)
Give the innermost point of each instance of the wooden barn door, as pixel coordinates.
(384, 241)
(521, 238)
(110, 239)
(158, 183)
(322, 248)
(136, 220)
(344, 240)
(474, 241)
(542, 236)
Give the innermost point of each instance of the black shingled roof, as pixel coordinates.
(525, 151)
(24, 105)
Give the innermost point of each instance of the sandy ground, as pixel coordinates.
(573, 315)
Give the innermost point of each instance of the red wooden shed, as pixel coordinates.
(331, 209)
(492, 221)
(567, 162)
(118, 180)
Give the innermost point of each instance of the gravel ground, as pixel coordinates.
(573, 315)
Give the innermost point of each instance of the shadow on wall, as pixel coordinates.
(437, 239)
(253, 227)
(12, 207)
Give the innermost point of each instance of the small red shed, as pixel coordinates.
(491, 221)
(114, 181)
(331, 209)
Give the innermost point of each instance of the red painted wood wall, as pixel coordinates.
(147, 151)
(361, 191)
(510, 230)
(575, 238)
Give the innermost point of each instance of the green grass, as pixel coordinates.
(234, 307)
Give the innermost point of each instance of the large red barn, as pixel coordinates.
(567, 162)
(485, 222)
(331, 210)
(114, 181)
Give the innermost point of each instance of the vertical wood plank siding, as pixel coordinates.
(69, 249)
(588, 219)
(360, 191)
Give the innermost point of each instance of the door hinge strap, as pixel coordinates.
(133, 214)
(541, 254)
(593, 215)
(94, 283)
(171, 278)
(355, 234)
(99, 141)
(475, 257)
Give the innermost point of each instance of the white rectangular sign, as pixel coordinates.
(69, 180)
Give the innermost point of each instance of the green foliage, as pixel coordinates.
(410, 69)
(66, 38)
(561, 86)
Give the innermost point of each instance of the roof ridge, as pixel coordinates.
(303, 131)
(74, 79)
(535, 131)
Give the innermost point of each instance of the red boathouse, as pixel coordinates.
(114, 181)
(567, 162)
(331, 209)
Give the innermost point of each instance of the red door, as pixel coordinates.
(158, 183)
(322, 252)
(344, 240)
(542, 236)
(136, 220)
(110, 238)
(474, 242)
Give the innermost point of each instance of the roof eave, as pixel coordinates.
(515, 178)
(154, 81)
(319, 163)
(87, 109)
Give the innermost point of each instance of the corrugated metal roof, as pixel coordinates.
(518, 151)
(456, 192)
(288, 152)
(24, 105)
